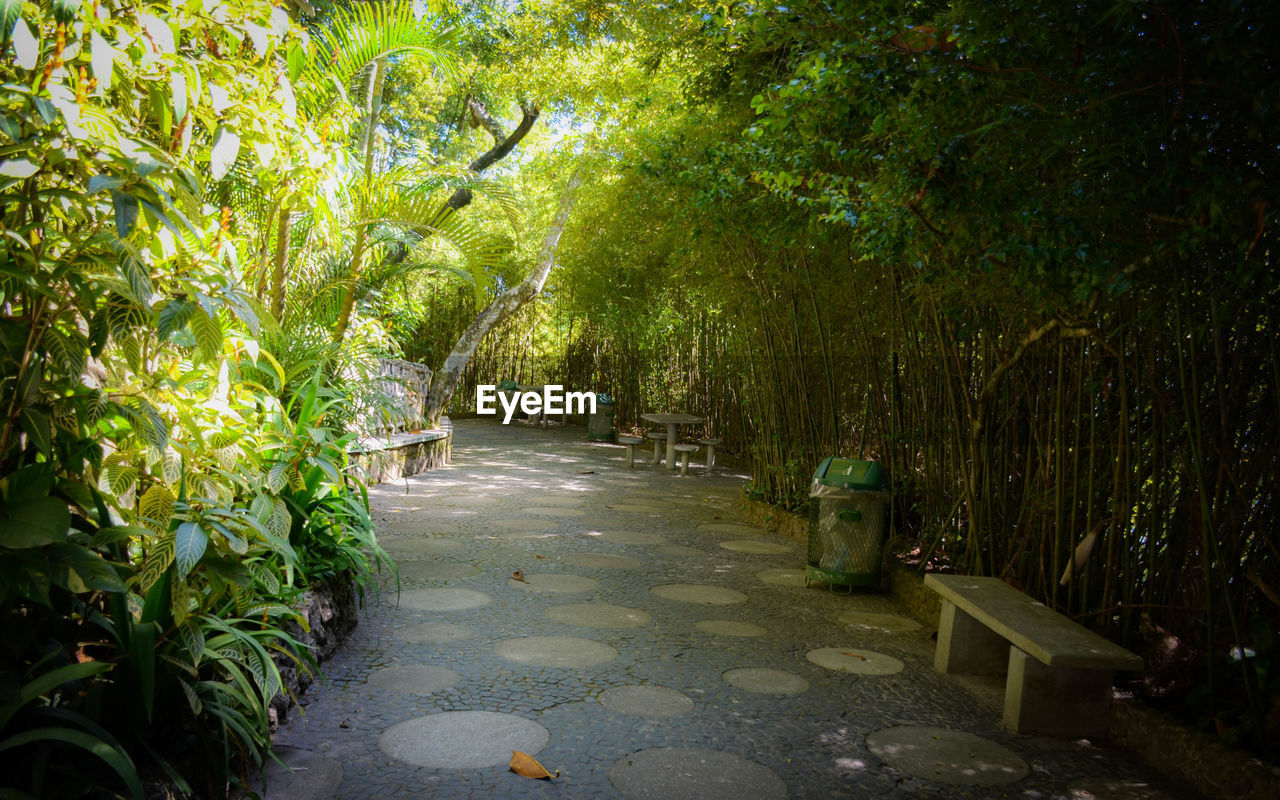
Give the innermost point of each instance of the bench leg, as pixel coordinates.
(657, 451)
(711, 457)
(631, 454)
(967, 646)
(1055, 700)
(684, 463)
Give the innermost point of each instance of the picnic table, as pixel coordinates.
(671, 421)
(540, 419)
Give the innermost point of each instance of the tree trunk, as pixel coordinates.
(282, 258)
(373, 108)
(446, 379)
(502, 145)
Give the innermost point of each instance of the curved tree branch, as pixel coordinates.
(502, 145)
(446, 380)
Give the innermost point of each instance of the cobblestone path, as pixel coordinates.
(657, 646)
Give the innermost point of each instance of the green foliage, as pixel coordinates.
(147, 459)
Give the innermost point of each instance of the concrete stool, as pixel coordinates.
(684, 450)
(659, 438)
(711, 451)
(630, 442)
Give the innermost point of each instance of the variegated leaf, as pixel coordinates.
(277, 477)
(156, 507)
(281, 520)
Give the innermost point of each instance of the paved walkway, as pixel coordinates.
(657, 646)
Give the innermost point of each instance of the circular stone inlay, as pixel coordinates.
(638, 508)
(782, 577)
(766, 681)
(1114, 789)
(678, 550)
(424, 547)
(692, 773)
(434, 632)
(624, 481)
(444, 599)
(525, 524)
(527, 536)
(728, 627)
(503, 552)
(859, 662)
(437, 571)
(601, 561)
(878, 623)
(552, 511)
(462, 739)
(435, 521)
(558, 500)
(599, 615)
(699, 593)
(755, 547)
(414, 678)
(469, 501)
(732, 527)
(948, 756)
(556, 583)
(555, 651)
(646, 701)
(626, 537)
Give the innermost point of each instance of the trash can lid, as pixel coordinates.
(507, 384)
(850, 473)
(604, 399)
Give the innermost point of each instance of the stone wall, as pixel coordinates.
(783, 523)
(1188, 757)
(331, 610)
(396, 456)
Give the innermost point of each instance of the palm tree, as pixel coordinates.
(354, 52)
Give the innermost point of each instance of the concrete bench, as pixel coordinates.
(684, 450)
(630, 442)
(659, 439)
(711, 450)
(1059, 673)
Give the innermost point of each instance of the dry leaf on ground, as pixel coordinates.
(527, 766)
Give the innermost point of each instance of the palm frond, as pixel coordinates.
(363, 33)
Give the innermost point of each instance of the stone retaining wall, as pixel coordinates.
(390, 458)
(1189, 757)
(331, 610)
(1148, 736)
(784, 523)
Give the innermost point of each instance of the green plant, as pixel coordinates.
(145, 562)
(328, 509)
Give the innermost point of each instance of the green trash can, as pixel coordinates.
(848, 523)
(600, 423)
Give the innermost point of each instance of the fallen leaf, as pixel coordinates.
(854, 655)
(526, 766)
(518, 576)
(586, 472)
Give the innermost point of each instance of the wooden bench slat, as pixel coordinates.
(1031, 626)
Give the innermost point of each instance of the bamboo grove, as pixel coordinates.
(1024, 256)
